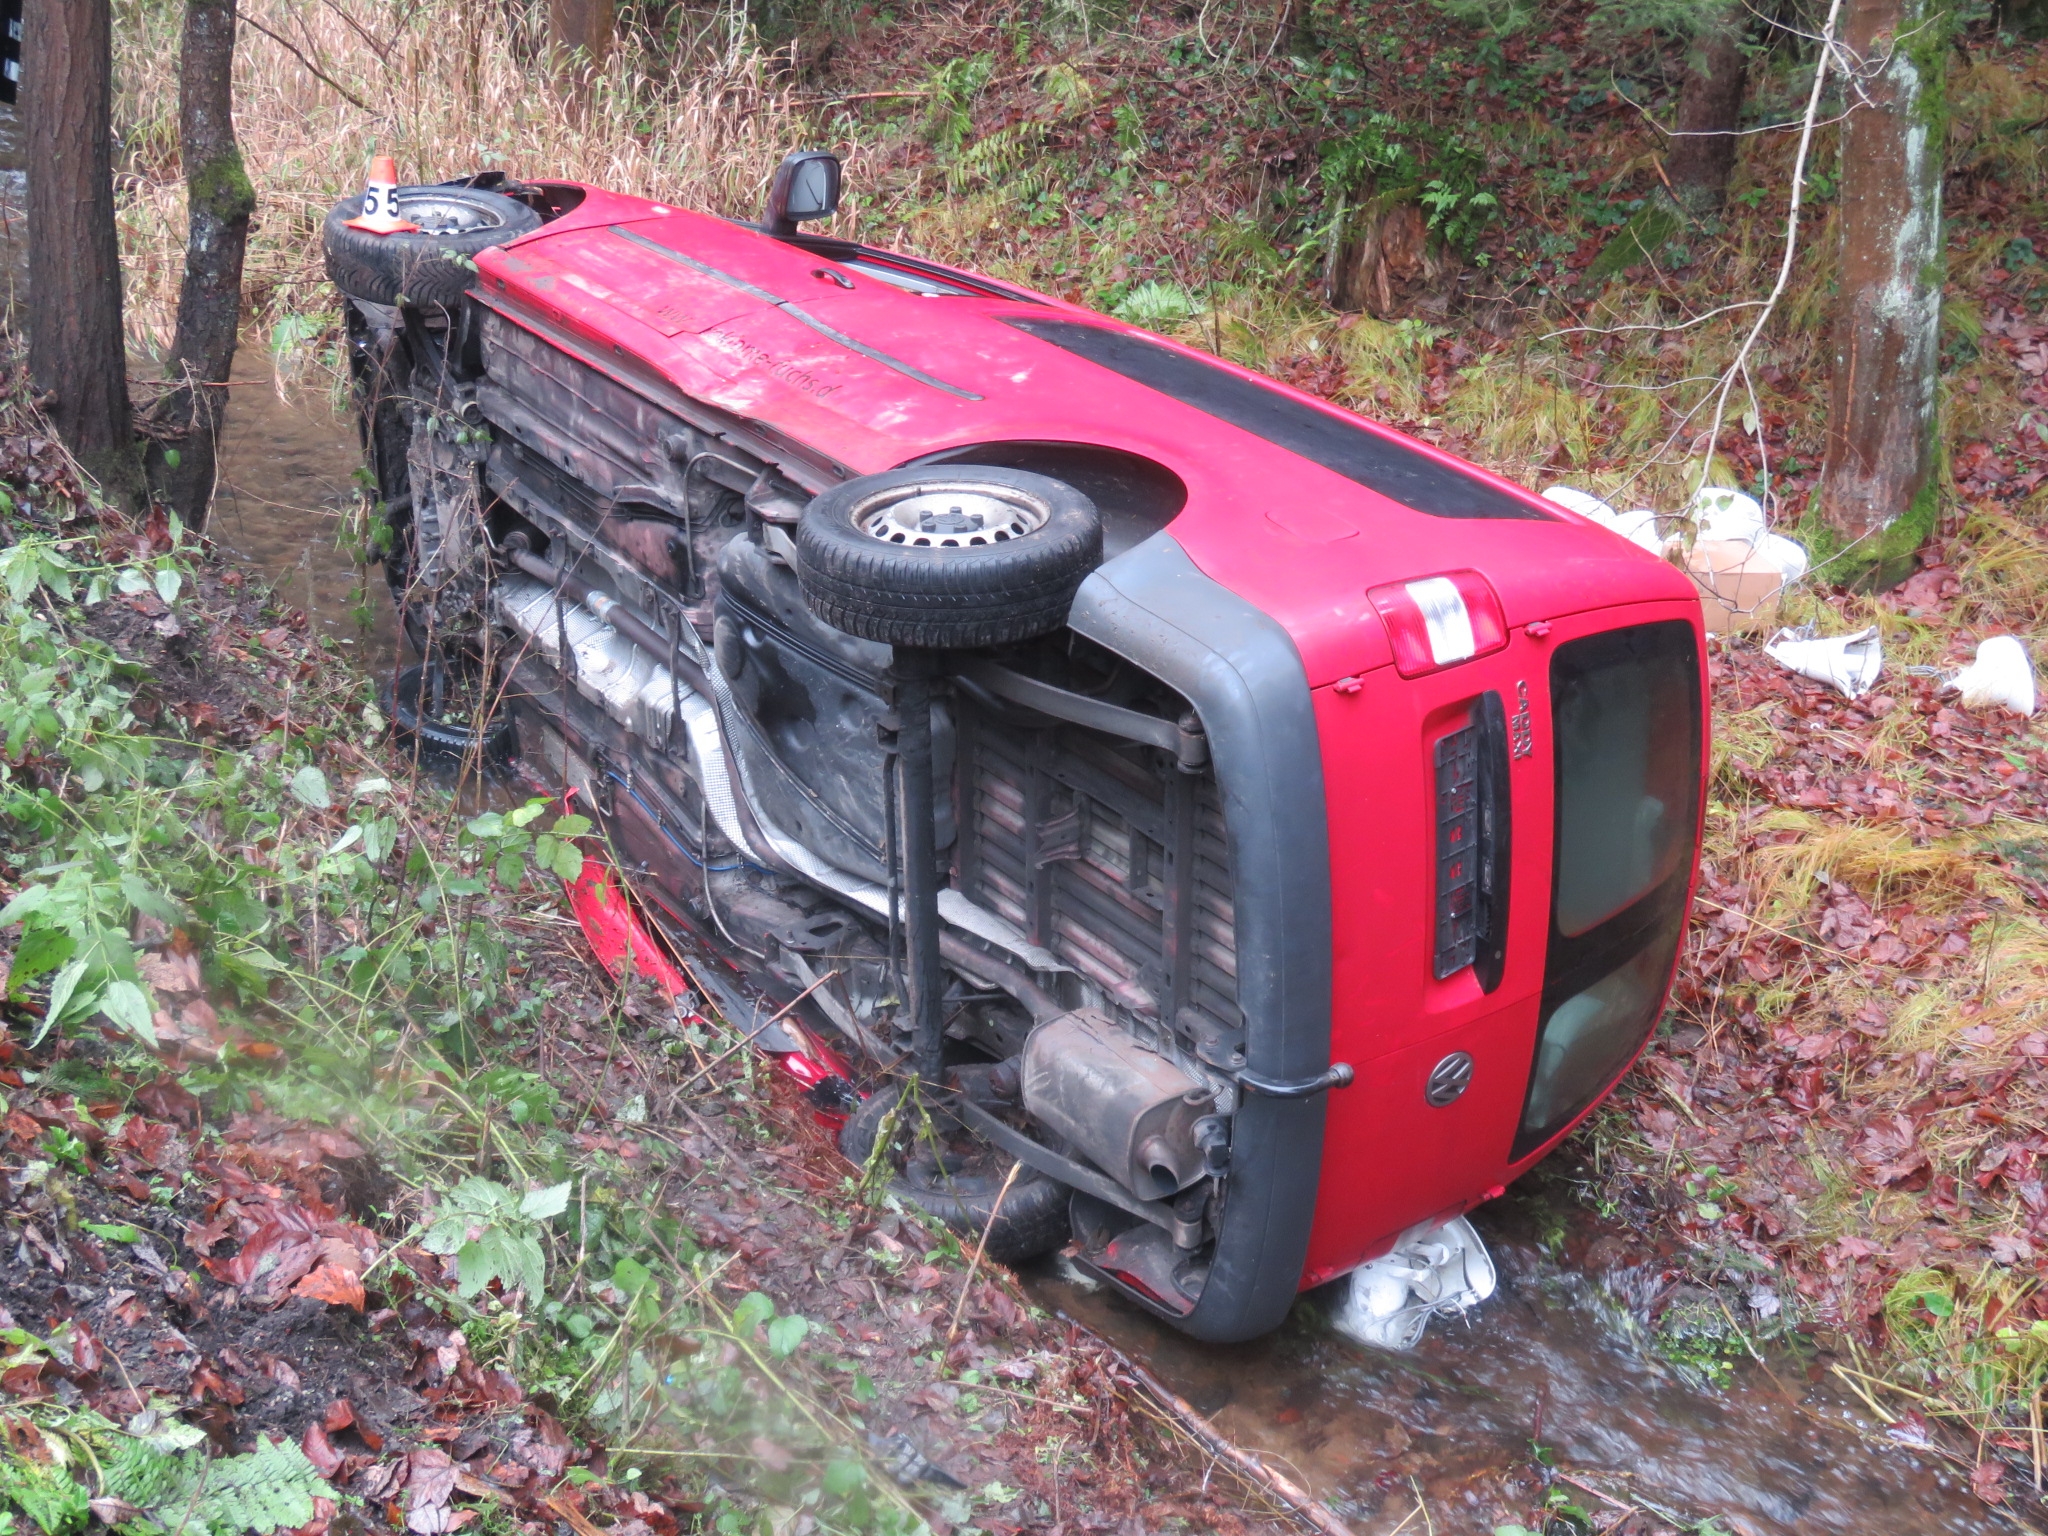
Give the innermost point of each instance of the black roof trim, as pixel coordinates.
(1376, 460)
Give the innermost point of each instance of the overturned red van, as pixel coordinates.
(1227, 834)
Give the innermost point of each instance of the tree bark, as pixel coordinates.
(1702, 154)
(76, 355)
(1877, 489)
(219, 202)
(581, 32)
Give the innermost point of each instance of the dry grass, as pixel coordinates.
(707, 137)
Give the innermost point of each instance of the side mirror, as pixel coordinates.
(806, 186)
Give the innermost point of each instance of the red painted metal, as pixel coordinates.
(616, 934)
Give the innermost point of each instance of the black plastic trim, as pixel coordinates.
(1376, 458)
(1242, 673)
(1496, 841)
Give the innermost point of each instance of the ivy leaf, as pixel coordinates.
(786, 1333)
(754, 1310)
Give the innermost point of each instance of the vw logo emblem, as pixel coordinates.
(1449, 1078)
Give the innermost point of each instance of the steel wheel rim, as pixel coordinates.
(960, 515)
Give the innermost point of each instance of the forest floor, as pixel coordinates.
(399, 1198)
(1847, 1098)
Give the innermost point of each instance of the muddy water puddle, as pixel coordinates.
(287, 486)
(1438, 1443)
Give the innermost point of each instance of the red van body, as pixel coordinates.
(1576, 722)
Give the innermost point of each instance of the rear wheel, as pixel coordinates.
(434, 265)
(947, 557)
(960, 1179)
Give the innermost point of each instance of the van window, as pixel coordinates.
(1377, 460)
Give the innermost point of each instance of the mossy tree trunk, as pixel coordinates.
(1702, 156)
(75, 350)
(188, 417)
(1877, 491)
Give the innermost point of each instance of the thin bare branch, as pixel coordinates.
(305, 63)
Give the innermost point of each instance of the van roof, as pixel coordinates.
(859, 365)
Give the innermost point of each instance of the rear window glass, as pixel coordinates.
(1625, 707)
(1367, 458)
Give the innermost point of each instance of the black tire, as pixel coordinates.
(1033, 1218)
(413, 701)
(434, 266)
(991, 584)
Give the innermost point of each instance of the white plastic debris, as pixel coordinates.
(1849, 663)
(2002, 674)
(1721, 513)
(1432, 1271)
(1638, 526)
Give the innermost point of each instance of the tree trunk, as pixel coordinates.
(1877, 491)
(76, 355)
(2028, 18)
(219, 201)
(581, 34)
(1702, 154)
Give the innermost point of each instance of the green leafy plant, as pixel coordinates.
(495, 1234)
(270, 1489)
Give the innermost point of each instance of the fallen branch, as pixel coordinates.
(1247, 1464)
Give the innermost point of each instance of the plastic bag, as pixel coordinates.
(2002, 675)
(1432, 1271)
(1638, 526)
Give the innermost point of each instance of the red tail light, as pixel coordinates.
(1439, 621)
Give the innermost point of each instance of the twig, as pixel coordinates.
(1246, 1464)
(1739, 367)
(307, 64)
(1598, 1493)
(980, 1248)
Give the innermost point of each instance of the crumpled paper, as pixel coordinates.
(2002, 675)
(1848, 663)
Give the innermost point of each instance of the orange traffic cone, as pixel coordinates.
(380, 214)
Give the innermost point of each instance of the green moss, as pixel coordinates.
(1875, 564)
(1926, 46)
(221, 187)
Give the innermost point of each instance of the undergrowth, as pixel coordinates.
(371, 948)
